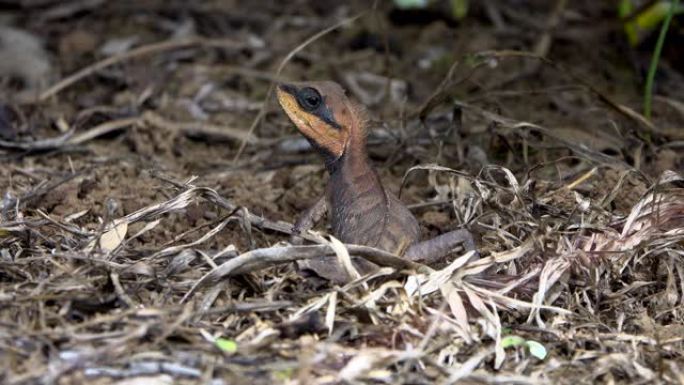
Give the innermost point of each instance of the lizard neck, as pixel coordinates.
(361, 211)
(354, 190)
(357, 202)
(353, 171)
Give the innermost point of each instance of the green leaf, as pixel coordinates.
(459, 9)
(283, 375)
(646, 20)
(625, 7)
(408, 4)
(653, 67)
(228, 346)
(536, 349)
(652, 16)
(510, 341)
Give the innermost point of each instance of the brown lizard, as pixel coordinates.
(361, 210)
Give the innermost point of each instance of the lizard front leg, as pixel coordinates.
(435, 249)
(308, 219)
(326, 267)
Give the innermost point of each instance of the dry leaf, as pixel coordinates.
(162, 379)
(330, 312)
(112, 238)
(457, 309)
(344, 259)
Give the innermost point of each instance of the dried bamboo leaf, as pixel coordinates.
(330, 312)
(457, 310)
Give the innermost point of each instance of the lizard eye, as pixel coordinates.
(309, 99)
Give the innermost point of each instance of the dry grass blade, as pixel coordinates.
(550, 274)
(658, 213)
(208, 235)
(512, 303)
(435, 280)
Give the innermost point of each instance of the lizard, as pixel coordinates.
(360, 209)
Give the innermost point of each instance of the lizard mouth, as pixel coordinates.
(288, 101)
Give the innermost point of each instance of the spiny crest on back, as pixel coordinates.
(361, 116)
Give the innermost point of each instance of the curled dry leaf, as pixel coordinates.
(370, 359)
(112, 238)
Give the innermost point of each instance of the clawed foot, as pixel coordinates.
(436, 249)
(296, 231)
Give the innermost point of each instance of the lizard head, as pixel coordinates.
(323, 114)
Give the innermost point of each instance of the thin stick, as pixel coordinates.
(261, 258)
(69, 138)
(213, 131)
(134, 53)
(623, 110)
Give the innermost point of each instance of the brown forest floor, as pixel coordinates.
(575, 199)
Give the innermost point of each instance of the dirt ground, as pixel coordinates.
(148, 151)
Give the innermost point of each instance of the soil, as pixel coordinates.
(452, 92)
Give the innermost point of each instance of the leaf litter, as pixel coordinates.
(145, 224)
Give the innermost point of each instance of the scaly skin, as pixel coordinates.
(361, 210)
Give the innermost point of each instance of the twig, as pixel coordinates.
(543, 45)
(210, 195)
(262, 258)
(247, 307)
(72, 229)
(45, 188)
(445, 88)
(623, 110)
(212, 131)
(120, 292)
(577, 149)
(102, 129)
(262, 111)
(187, 128)
(136, 53)
(70, 139)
